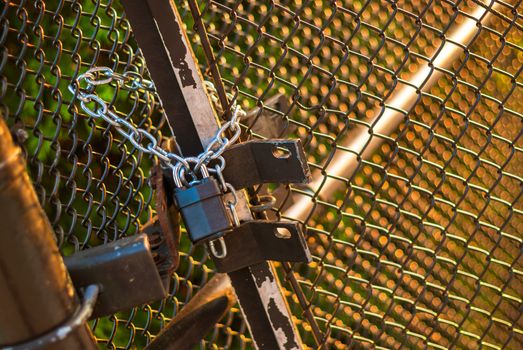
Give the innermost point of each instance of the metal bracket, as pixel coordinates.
(257, 241)
(118, 267)
(263, 161)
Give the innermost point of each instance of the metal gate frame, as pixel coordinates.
(159, 31)
(257, 287)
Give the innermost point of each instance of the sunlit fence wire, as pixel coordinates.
(416, 245)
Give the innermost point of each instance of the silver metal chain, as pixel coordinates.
(182, 167)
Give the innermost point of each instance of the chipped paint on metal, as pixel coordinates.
(276, 309)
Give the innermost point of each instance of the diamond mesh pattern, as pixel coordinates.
(419, 244)
(93, 185)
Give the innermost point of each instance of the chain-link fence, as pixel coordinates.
(414, 224)
(93, 185)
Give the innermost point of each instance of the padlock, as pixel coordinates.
(202, 208)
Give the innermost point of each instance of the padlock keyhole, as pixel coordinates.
(281, 152)
(283, 233)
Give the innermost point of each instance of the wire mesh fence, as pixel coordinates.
(93, 185)
(415, 233)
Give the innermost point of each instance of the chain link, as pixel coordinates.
(130, 81)
(144, 141)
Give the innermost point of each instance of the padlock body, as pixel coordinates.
(203, 211)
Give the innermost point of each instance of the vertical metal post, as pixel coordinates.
(36, 294)
(159, 31)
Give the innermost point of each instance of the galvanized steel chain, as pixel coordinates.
(182, 167)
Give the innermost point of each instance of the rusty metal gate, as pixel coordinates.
(411, 116)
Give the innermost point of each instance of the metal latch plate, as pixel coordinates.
(257, 241)
(124, 270)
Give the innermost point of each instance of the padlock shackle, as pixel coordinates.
(179, 172)
(223, 248)
(176, 175)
